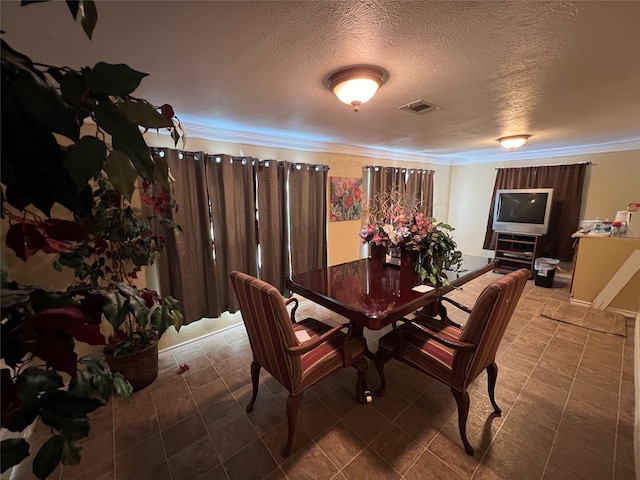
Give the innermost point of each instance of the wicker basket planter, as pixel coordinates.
(140, 369)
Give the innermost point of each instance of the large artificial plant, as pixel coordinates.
(47, 159)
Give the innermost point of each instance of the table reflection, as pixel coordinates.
(374, 294)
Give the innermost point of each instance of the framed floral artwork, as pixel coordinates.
(346, 198)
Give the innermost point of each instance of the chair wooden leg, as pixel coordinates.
(362, 366)
(462, 399)
(293, 404)
(255, 380)
(492, 376)
(380, 359)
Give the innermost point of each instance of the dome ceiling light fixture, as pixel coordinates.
(356, 85)
(514, 141)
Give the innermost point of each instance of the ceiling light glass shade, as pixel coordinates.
(356, 85)
(514, 141)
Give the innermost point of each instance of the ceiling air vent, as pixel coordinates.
(419, 106)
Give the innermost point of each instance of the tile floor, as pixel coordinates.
(566, 392)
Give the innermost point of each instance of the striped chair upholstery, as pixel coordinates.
(296, 365)
(456, 356)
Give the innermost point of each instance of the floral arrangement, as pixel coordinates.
(396, 222)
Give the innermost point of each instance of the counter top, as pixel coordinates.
(579, 234)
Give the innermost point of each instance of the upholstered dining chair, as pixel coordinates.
(456, 356)
(298, 354)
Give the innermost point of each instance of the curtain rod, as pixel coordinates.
(399, 168)
(551, 165)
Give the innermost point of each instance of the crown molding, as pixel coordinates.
(468, 158)
(481, 157)
(262, 140)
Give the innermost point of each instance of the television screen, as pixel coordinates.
(522, 207)
(522, 210)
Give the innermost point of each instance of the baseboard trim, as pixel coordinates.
(197, 339)
(636, 378)
(626, 313)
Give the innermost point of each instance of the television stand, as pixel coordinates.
(516, 250)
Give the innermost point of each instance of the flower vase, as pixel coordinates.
(408, 262)
(378, 254)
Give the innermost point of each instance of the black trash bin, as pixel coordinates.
(545, 271)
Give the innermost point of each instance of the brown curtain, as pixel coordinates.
(185, 268)
(307, 216)
(567, 182)
(416, 183)
(420, 188)
(227, 208)
(273, 232)
(379, 180)
(231, 187)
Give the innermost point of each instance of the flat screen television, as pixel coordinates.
(525, 210)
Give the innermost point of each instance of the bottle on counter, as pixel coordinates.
(615, 229)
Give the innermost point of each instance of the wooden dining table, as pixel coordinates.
(373, 295)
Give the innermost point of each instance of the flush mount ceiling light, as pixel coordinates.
(356, 85)
(514, 141)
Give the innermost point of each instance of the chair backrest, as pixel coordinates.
(269, 327)
(487, 323)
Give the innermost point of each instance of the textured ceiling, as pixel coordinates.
(567, 73)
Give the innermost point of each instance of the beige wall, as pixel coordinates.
(612, 181)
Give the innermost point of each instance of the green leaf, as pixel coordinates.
(80, 385)
(43, 105)
(32, 381)
(71, 428)
(72, 85)
(89, 17)
(93, 364)
(48, 457)
(23, 417)
(73, 7)
(121, 173)
(103, 383)
(85, 160)
(121, 387)
(41, 300)
(118, 80)
(12, 452)
(142, 113)
(126, 137)
(71, 453)
(114, 309)
(139, 308)
(63, 404)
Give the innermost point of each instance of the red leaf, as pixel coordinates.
(101, 245)
(64, 230)
(182, 369)
(56, 350)
(54, 246)
(167, 111)
(69, 320)
(150, 297)
(25, 239)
